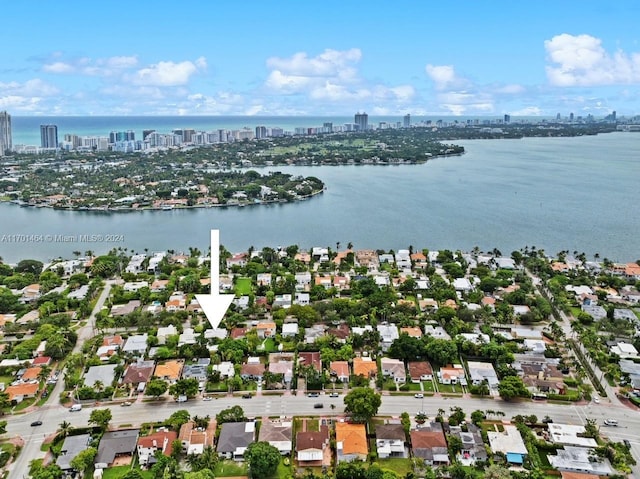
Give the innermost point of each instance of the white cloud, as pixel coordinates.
(329, 63)
(168, 73)
(34, 87)
(581, 60)
(527, 111)
(443, 76)
(86, 66)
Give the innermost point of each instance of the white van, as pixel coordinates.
(75, 407)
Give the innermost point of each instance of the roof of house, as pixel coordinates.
(169, 369)
(412, 331)
(114, 443)
(276, 431)
(340, 368)
(353, 438)
(139, 372)
(71, 447)
(312, 439)
(427, 439)
(306, 358)
(256, 369)
(28, 389)
(390, 431)
(157, 440)
(234, 435)
(104, 373)
(364, 367)
(419, 368)
(31, 373)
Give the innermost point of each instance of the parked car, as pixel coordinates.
(206, 398)
(247, 396)
(627, 443)
(318, 405)
(36, 423)
(126, 403)
(313, 395)
(334, 395)
(418, 395)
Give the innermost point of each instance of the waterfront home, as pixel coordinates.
(158, 442)
(135, 264)
(390, 440)
(278, 433)
(351, 442)
(234, 439)
(312, 448)
(320, 254)
(238, 259)
(155, 261)
(195, 439)
(116, 444)
(429, 444)
(367, 258)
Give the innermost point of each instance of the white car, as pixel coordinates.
(418, 395)
(596, 400)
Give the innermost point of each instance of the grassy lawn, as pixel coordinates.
(428, 386)
(243, 286)
(24, 404)
(400, 466)
(450, 388)
(414, 386)
(115, 472)
(229, 469)
(269, 345)
(283, 470)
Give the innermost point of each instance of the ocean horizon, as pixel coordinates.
(26, 129)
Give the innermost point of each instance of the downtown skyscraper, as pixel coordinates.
(6, 142)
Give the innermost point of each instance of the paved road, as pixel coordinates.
(33, 436)
(140, 412)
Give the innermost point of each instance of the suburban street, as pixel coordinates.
(281, 405)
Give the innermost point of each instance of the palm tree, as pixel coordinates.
(64, 428)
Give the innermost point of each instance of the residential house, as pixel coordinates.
(429, 443)
(136, 344)
(367, 258)
(580, 460)
(266, 329)
(340, 369)
(412, 331)
(289, 330)
(234, 439)
(138, 373)
(169, 370)
(452, 374)
(227, 369)
(365, 366)
(157, 442)
(195, 439)
(282, 301)
(282, 363)
(133, 286)
(307, 358)
(263, 279)
(314, 332)
(390, 439)
(277, 433)
(238, 259)
(388, 334)
(31, 374)
(312, 448)
(597, 312)
(351, 442)
(570, 435)
(473, 448)
(188, 336)
(436, 332)
(420, 371)
(125, 309)
(159, 285)
(71, 447)
(341, 282)
(177, 302)
(324, 281)
(462, 284)
(302, 299)
(475, 338)
(480, 372)
(403, 259)
(341, 332)
(166, 331)
(242, 302)
(110, 346)
(115, 444)
(624, 350)
(20, 392)
(509, 442)
(253, 369)
(320, 254)
(135, 264)
(536, 346)
(29, 294)
(104, 374)
(394, 369)
(303, 281)
(196, 371)
(303, 257)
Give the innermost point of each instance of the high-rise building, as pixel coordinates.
(146, 133)
(570, 116)
(507, 118)
(362, 120)
(328, 127)
(406, 123)
(261, 132)
(6, 142)
(48, 136)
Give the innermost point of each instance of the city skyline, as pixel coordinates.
(274, 59)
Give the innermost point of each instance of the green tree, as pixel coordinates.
(511, 387)
(262, 458)
(133, 474)
(184, 387)
(29, 266)
(233, 414)
(477, 417)
(350, 470)
(83, 462)
(100, 417)
(362, 404)
(496, 471)
(3, 427)
(178, 418)
(64, 428)
(157, 387)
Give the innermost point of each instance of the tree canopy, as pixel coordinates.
(362, 404)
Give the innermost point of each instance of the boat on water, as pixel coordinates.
(167, 207)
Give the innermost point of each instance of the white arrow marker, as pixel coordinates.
(215, 304)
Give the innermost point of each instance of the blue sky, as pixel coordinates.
(320, 58)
